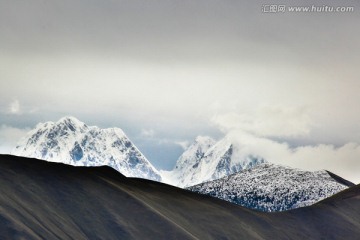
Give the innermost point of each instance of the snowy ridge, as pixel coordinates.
(72, 142)
(207, 160)
(270, 187)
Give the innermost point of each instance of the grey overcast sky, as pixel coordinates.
(167, 71)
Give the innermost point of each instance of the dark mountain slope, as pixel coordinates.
(43, 200)
(340, 179)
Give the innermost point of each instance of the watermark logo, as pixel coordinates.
(280, 8)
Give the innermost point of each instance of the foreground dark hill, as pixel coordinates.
(43, 200)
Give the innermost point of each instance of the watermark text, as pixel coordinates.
(280, 8)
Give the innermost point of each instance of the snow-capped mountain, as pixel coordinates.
(269, 187)
(207, 160)
(73, 142)
(187, 164)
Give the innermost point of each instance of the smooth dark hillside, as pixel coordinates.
(42, 200)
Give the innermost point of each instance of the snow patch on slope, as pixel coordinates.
(269, 187)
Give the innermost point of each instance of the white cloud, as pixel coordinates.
(270, 121)
(344, 160)
(183, 144)
(14, 107)
(9, 136)
(147, 133)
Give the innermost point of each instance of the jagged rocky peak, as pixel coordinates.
(71, 123)
(73, 142)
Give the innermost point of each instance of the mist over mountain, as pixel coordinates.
(72, 142)
(224, 169)
(205, 160)
(228, 170)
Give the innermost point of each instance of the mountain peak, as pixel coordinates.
(206, 160)
(72, 142)
(115, 131)
(71, 122)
